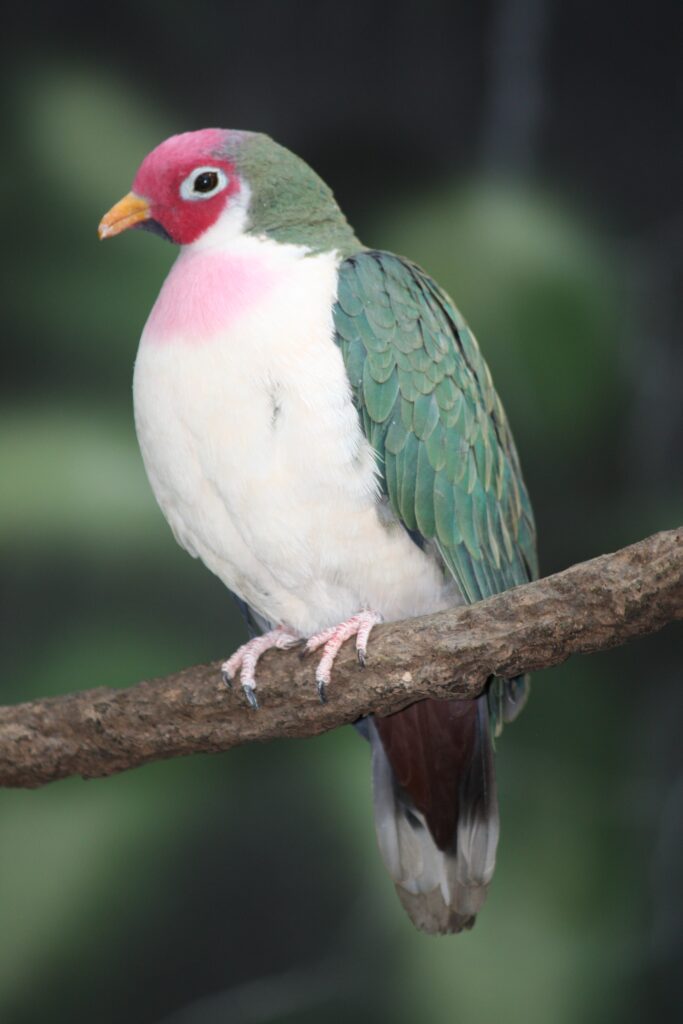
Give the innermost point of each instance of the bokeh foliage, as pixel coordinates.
(247, 887)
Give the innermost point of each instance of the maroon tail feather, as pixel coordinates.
(430, 746)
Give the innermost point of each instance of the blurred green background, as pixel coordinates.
(525, 153)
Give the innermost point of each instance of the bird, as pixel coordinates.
(319, 427)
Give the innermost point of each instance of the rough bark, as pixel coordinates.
(590, 607)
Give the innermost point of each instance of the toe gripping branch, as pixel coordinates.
(246, 657)
(331, 640)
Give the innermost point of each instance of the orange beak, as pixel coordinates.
(128, 212)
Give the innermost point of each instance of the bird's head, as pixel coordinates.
(227, 183)
(182, 188)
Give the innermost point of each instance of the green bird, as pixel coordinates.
(319, 427)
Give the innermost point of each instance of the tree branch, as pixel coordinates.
(590, 607)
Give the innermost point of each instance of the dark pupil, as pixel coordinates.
(205, 182)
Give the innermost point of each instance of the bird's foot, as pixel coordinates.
(331, 640)
(245, 659)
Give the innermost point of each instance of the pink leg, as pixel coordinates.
(331, 640)
(245, 659)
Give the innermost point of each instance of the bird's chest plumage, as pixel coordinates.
(251, 442)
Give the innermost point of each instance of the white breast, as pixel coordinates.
(254, 450)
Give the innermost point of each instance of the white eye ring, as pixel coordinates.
(188, 191)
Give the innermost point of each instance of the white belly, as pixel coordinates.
(256, 457)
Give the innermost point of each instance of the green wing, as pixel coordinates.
(429, 409)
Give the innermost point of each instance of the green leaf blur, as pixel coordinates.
(248, 886)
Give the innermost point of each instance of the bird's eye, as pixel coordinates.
(203, 183)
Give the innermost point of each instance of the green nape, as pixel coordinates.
(290, 203)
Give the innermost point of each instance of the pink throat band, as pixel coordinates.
(204, 293)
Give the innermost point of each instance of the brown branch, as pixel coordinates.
(590, 607)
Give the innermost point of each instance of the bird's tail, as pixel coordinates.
(436, 809)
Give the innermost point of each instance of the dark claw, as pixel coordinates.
(304, 652)
(321, 691)
(227, 680)
(361, 659)
(250, 694)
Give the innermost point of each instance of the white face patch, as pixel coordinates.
(231, 224)
(203, 183)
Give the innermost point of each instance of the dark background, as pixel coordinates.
(529, 155)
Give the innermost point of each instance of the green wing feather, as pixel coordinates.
(427, 405)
